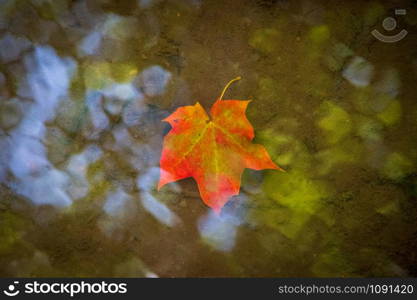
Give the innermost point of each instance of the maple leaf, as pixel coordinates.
(213, 149)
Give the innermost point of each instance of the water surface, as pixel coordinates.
(84, 86)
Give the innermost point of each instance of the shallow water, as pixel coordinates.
(84, 86)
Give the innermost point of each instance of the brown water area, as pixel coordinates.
(84, 86)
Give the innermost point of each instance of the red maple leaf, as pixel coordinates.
(213, 149)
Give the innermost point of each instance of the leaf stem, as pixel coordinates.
(227, 86)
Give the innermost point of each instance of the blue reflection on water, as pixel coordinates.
(47, 81)
(116, 202)
(98, 117)
(90, 43)
(46, 84)
(154, 80)
(358, 72)
(156, 208)
(77, 169)
(159, 210)
(220, 230)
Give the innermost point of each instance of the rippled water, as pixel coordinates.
(84, 86)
